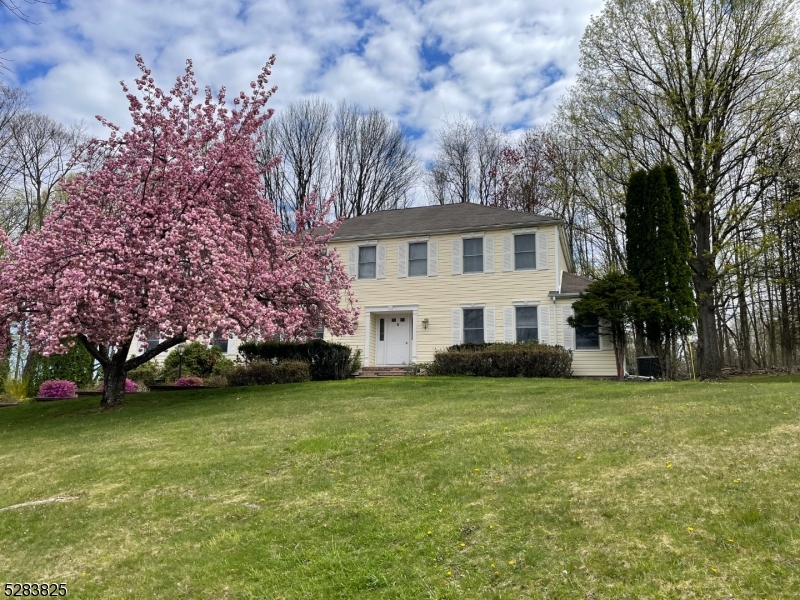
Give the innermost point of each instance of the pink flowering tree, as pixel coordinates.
(166, 230)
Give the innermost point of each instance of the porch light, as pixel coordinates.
(425, 323)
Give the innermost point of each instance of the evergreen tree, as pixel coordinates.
(679, 273)
(658, 249)
(615, 299)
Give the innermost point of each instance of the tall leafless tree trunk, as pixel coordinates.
(374, 165)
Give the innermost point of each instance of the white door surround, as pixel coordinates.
(400, 337)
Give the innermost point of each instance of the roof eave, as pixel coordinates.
(396, 234)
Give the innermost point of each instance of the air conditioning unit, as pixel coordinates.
(648, 366)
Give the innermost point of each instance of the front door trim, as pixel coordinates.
(371, 329)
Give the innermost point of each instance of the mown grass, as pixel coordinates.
(410, 488)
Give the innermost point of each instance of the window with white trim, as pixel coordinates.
(525, 251)
(473, 255)
(366, 262)
(473, 326)
(153, 340)
(418, 259)
(527, 321)
(587, 336)
(219, 341)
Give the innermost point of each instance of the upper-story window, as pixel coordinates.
(473, 255)
(473, 325)
(587, 336)
(366, 262)
(525, 251)
(152, 340)
(527, 324)
(418, 259)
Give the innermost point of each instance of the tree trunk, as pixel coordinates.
(703, 271)
(114, 381)
(619, 355)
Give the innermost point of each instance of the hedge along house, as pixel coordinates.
(430, 277)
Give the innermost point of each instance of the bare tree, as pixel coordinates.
(40, 150)
(300, 135)
(374, 164)
(15, 7)
(12, 102)
(704, 84)
(466, 164)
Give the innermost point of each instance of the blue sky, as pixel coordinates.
(506, 61)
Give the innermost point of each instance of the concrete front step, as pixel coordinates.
(372, 372)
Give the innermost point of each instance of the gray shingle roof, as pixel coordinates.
(424, 220)
(573, 284)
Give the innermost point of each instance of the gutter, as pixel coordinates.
(416, 232)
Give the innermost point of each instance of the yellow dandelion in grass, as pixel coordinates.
(713, 570)
(491, 526)
(449, 573)
(429, 532)
(261, 500)
(492, 565)
(690, 528)
(497, 572)
(735, 481)
(730, 540)
(578, 457)
(463, 544)
(511, 562)
(477, 470)
(669, 464)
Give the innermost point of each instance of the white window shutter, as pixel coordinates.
(488, 325)
(456, 326)
(567, 331)
(488, 254)
(381, 260)
(456, 258)
(542, 251)
(433, 259)
(508, 324)
(508, 253)
(605, 338)
(544, 324)
(402, 263)
(352, 264)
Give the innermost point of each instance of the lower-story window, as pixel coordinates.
(587, 336)
(219, 341)
(527, 324)
(473, 325)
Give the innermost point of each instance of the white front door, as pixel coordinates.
(398, 339)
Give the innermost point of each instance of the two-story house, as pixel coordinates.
(430, 277)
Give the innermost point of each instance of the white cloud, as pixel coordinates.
(497, 58)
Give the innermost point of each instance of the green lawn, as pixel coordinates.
(410, 488)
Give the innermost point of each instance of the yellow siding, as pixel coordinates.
(435, 297)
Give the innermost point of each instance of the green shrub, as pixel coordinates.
(223, 367)
(503, 360)
(198, 361)
(263, 372)
(216, 381)
(146, 374)
(326, 361)
(76, 365)
(292, 371)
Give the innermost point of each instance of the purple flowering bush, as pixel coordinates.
(189, 382)
(58, 388)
